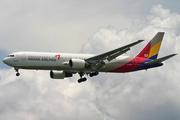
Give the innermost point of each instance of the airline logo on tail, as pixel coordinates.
(152, 48)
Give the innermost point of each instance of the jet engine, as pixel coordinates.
(59, 74)
(78, 63)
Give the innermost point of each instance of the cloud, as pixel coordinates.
(107, 38)
(38, 97)
(47, 25)
(138, 95)
(51, 25)
(146, 93)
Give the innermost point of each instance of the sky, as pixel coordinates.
(94, 26)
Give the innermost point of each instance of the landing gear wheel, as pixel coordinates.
(17, 74)
(93, 74)
(79, 81)
(82, 80)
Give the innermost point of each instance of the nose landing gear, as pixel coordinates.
(17, 70)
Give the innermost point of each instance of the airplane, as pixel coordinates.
(62, 65)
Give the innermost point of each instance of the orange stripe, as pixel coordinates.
(155, 49)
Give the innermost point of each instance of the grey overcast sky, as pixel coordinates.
(92, 26)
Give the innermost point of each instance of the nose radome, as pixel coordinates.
(5, 60)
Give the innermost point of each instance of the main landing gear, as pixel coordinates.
(81, 79)
(17, 73)
(93, 74)
(81, 74)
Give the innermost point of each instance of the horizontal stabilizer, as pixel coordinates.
(160, 59)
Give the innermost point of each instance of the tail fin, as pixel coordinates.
(152, 48)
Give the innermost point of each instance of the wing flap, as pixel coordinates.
(113, 56)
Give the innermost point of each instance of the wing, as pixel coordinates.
(97, 62)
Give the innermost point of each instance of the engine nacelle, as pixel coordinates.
(78, 63)
(59, 74)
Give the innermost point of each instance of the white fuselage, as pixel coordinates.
(55, 61)
(62, 65)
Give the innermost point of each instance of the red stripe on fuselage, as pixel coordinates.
(130, 66)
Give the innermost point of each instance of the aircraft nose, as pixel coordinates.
(5, 60)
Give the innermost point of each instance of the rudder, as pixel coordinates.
(152, 48)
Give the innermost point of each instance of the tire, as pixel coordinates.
(80, 80)
(17, 74)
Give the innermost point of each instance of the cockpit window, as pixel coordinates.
(10, 55)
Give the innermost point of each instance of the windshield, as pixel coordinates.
(10, 56)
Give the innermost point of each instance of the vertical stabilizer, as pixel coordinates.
(152, 48)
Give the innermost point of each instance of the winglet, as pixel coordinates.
(160, 59)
